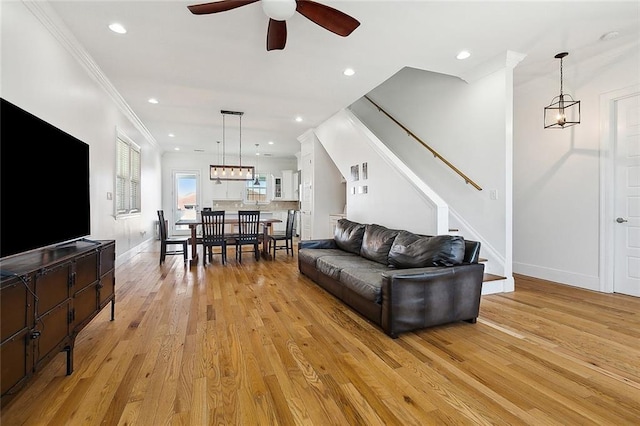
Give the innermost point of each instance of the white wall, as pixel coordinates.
(470, 125)
(557, 171)
(40, 75)
(465, 123)
(390, 200)
(323, 192)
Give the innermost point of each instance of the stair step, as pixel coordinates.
(492, 277)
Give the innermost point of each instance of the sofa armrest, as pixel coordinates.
(328, 243)
(423, 297)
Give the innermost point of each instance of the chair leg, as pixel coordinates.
(163, 249)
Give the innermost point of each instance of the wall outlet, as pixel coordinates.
(493, 194)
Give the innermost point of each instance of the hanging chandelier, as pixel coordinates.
(220, 172)
(563, 111)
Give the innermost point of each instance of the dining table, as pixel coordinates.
(228, 220)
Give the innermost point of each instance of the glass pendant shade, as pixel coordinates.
(280, 10)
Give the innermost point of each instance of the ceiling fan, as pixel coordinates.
(280, 10)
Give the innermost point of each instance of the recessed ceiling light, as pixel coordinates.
(270, 142)
(609, 36)
(171, 135)
(117, 28)
(176, 148)
(464, 54)
(153, 101)
(298, 119)
(348, 72)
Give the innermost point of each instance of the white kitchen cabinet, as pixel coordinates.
(276, 187)
(282, 215)
(285, 187)
(228, 190)
(289, 185)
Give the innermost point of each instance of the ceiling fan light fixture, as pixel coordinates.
(279, 10)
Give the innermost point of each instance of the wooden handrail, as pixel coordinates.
(433, 151)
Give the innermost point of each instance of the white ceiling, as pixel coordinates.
(198, 65)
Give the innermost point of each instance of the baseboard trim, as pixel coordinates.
(586, 282)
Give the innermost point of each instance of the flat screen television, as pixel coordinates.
(44, 183)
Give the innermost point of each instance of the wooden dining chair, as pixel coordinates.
(285, 237)
(166, 242)
(213, 234)
(248, 232)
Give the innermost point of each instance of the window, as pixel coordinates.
(257, 193)
(128, 197)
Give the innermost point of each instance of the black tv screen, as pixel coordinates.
(44, 183)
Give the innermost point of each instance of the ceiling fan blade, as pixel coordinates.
(276, 35)
(218, 6)
(327, 17)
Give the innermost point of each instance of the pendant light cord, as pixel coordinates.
(560, 76)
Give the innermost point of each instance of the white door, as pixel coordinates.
(627, 197)
(186, 196)
(306, 198)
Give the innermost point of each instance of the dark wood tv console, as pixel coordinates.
(47, 296)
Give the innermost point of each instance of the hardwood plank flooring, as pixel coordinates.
(259, 344)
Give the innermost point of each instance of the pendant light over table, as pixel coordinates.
(223, 171)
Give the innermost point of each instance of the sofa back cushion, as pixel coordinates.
(413, 251)
(376, 243)
(348, 235)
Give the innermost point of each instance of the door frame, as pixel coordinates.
(607, 180)
(174, 174)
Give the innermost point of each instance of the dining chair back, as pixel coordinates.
(168, 244)
(285, 237)
(248, 232)
(213, 234)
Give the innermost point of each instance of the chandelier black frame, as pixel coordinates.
(219, 172)
(563, 111)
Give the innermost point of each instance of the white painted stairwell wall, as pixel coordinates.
(390, 201)
(470, 124)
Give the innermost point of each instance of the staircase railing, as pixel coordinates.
(433, 151)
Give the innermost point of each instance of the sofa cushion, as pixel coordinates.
(413, 251)
(364, 281)
(376, 243)
(311, 255)
(332, 265)
(348, 235)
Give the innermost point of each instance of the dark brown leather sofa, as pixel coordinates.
(398, 280)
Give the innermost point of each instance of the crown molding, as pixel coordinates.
(43, 11)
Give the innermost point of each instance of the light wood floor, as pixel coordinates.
(259, 344)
